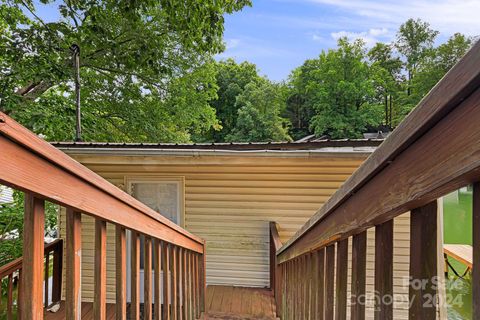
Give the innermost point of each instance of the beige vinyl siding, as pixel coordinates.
(229, 201)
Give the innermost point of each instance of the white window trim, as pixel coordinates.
(178, 180)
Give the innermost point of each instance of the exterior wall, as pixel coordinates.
(229, 201)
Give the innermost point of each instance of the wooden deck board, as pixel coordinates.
(223, 302)
(237, 303)
(460, 252)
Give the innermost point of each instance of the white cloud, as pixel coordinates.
(447, 16)
(232, 43)
(370, 37)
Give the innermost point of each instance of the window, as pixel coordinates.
(162, 194)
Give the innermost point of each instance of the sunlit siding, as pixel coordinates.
(229, 201)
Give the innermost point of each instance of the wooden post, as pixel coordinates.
(121, 273)
(73, 302)
(34, 222)
(157, 246)
(329, 281)
(342, 274)
(100, 274)
(476, 251)
(183, 271)
(173, 271)
(320, 300)
(359, 268)
(384, 271)
(166, 281)
(203, 280)
(423, 262)
(135, 276)
(147, 274)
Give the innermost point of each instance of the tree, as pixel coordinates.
(386, 70)
(133, 54)
(436, 64)
(415, 40)
(299, 108)
(342, 92)
(259, 107)
(231, 79)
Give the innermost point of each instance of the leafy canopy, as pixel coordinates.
(143, 64)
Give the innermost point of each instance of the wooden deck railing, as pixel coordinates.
(434, 151)
(12, 271)
(44, 173)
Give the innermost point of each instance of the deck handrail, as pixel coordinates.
(460, 82)
(434, 151)
(44, 173)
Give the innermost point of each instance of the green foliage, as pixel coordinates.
(11, 226)
(346, 91)
(136, 58)
(339, 89)
(231, 79)
(259, 107)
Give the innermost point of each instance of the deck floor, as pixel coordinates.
(223, 302)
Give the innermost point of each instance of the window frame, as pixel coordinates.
(178, 180)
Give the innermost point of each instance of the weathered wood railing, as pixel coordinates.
(434, 151)
(12, 271)
(177, 264)
(275, 245)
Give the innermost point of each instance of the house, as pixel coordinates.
(329, 261)
(227, 193)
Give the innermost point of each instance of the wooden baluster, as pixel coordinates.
(179, 283)
(184, 283)
(19, 295)
(197, 285)
(329, 281)
(120, 273)
(359, 268)
(73, 302)
(308, 285)
(188, 274)
(295, 289)
(135, 277)
(100, 273)
(10, 297)
(203, 280)
(57, 273)
(173, 271)
(157, 246)
(321, 285)
(342, 274)
(46, 276)
(314, 284)
(301, 285)
(33, 229)
(147, 275)
(423, 262)
(166, 281)
(384, 271)
(476, 251)
(289, 291)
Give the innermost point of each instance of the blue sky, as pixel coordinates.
(278, 35)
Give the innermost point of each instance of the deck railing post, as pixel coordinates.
(203, 279)
(121, 273)
(33, 255)
(476, 250)
(100, 267)
(73, 265)
(423, 262)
